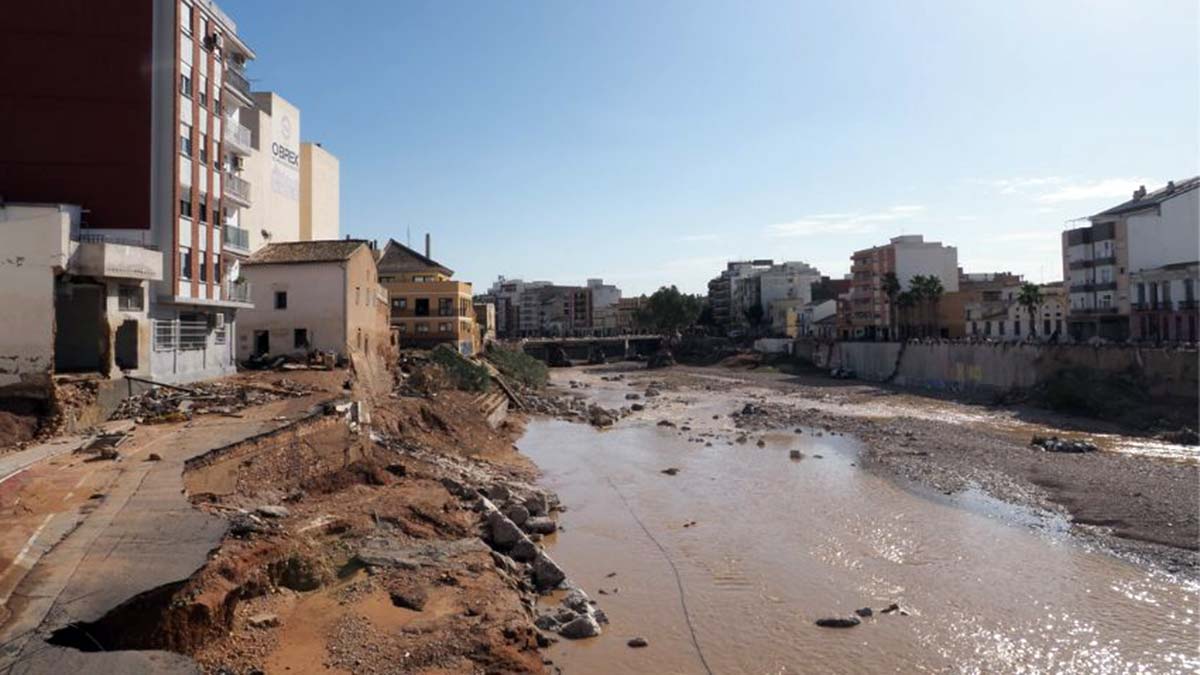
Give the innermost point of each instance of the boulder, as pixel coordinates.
(518, 514)
(581, 627)
(546, 573)
(546, 622)
(637, 642)
(577, 601)
(541, 525)
(504, 532)
(524, 550)
(272, 511)
(538, 504)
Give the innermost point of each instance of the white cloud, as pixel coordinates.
(1106, 188)
(843, 223)
(1025, 235)
(1021, 184)
(700, 237)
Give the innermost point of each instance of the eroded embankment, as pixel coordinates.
(356, 550)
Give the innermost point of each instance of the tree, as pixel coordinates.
(905, 301)
(754, 315)
(1030, 297)
(927, 291)
(667, 311)
(891, 287)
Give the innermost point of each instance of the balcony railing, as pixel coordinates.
(236, 291)
(1094, 310)
(236, 237)
(237, 188)
(1090, 287)
(237, 81)
(109, 239)
(237, 137)
(1092, 262)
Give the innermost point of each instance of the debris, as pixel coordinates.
(837, 622)
(1055, 444)
(637, 642)
(864, 612)
(670, 471)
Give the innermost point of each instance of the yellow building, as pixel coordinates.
(428, 307)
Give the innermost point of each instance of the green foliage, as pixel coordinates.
(754, 315)
(669, 311)
(518, 366)
(1030, 297)
(465, 374)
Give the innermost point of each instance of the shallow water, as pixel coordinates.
(778, 543)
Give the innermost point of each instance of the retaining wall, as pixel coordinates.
(1001, 367)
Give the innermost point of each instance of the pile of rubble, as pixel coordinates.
(175, 404)
(1056, 444)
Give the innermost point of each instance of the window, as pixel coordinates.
(204, 208)
(400, 303)
(203, 148)
(185, 139)
(216, 266)
(422, 328)
(185, 263)
(203, 91)
(1000, 330)
(300, 338)
(185, 204)
(130, 298)
(185, 84)
(422, 308)
(280, 299)
(1141, 288)
(1017, 327)
(357, 293)
(445, 307)
(445, 327)
(204, 266)
(402, 327)
(186, 18)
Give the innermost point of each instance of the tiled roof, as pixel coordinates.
(331, 250)
(396, 257)
(1153, 198)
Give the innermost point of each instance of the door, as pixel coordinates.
(80, 331)
(262, 342)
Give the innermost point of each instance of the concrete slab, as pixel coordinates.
(143, 535)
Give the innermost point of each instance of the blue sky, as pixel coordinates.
(647, 142)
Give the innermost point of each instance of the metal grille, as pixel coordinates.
(193, 334)
(165, 337)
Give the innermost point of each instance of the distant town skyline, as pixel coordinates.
(650, 144)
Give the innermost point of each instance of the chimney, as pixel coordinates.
(427, 245)
(1170, 187)
(1139, 193)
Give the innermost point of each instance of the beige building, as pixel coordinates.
(320, 176)
(273, 168)
(314, 296)
(428, 307)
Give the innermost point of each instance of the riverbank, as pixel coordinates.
(1136, 497)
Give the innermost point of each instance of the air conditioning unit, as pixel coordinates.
(217, 320)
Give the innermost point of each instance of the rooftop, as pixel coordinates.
(1152, 199)
(328, 250)
(396, 257)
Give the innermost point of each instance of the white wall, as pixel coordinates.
(320, 177)
(274, 180)
(1174, 237)
(35, 247)
(316, 302)
(926, 259)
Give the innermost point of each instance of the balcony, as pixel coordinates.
(1085, 311)
(236, 238)
(1092, 287)
(99, 255)
(236, 291)
(237, 137)
(1092, 262)
(235, 81)
(237, 189)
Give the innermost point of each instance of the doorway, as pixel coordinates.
(262, 342)
(80, 335)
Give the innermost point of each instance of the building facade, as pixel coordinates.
(318, 296)
(320, 193)
(871, 314)
(1152, 230)
(428, 306)
(1164, 307)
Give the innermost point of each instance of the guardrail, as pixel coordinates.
(107, 239)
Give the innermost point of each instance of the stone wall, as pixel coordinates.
(993, 368)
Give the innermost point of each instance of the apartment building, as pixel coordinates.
(735, 290)
(604, 299)
(1164, 307)
(1151, 230)
(135, 115)
(308, 296)
(993, 310)
(871, 314)
(428, 306)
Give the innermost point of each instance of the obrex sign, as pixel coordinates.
(285, 154)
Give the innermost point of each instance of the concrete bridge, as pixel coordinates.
(586, 349)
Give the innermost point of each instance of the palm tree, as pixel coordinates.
(933, 294)
(1030, 297)
(905, 301)
(891, 287)
(927, 291)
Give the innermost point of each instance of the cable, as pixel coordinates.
(674, 570)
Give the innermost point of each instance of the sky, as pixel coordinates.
(649, 142)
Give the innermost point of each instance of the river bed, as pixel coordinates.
(762, 545)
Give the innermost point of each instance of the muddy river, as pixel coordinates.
(726, 565)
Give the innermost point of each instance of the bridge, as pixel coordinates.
(590, 349)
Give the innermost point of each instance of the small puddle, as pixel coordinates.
(763, 545)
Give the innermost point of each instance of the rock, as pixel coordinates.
(864, 612)
(541, 525)
(637, 407)
(546, 622)
(600, 616)
(838, 622)
(546, 573)
(796, 454)
(580, 627)
(538, 504)
(524, 550)
(632, 396)
(638, 642)
(577, 601)
(666, 423)
(499, 493)
(671, 471)
(761, 443)
(651, 392)
(263, 621)
(518, 514)
(504, 532)
(505, 563)
(413, 598)
(154, 457)
(890, 608)
(1055, 444)
(272, 511)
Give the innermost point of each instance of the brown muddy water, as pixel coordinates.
(777, 543)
